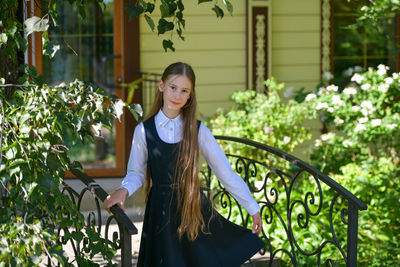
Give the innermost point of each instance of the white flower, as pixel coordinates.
(382, 67)
(365, 112)
(363, 120)
(391, 126)
(332, 88)
(327, 136)
(119, 108)
(395, 75)
(288, 92)
(350, 91)
(383, 87)
(327, 76)
(286, 139)
(321, 91)
(336, 100)
(97, 129)
(268, 129)
(381, 72)
(322, 105)
(376, 122)
(388, 80)
(338, 121)
(357, 78)
(347, 143)
(365, 86)
(309, 97)
(318, 142)
(330, 110)
(355, 108)
(360, 127)
(367, 104)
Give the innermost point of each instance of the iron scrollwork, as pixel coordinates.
(121, 238)
(294, 202)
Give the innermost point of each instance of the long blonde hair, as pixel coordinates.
(187, 166)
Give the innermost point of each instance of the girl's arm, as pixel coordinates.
(235, 185)
(136, 170)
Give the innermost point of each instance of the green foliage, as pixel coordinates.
(266, 119)
(34, 159)
(171, 16)
(376, 182)
(359, 151)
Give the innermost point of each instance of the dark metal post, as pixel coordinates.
(126, 246)
(352, 234)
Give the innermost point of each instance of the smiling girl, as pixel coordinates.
(180, 227)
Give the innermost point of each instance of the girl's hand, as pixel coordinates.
(257, 223)
(118, 197)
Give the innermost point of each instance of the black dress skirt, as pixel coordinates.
(224, 245)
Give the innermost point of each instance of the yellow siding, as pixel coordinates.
(296, 42)
(215, 48)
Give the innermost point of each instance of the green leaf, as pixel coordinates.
(228, 6)
(149, 7)
(164, 26)
(133, 10)
(137, 111)
(218, 11)
(82, 11)
(51, 48)
(78, 236)
(203, 1)
(12, 30)
(47, 181)
(150, 22)
(36, 24)
(168, 44)
(164, 8)
(181, 7)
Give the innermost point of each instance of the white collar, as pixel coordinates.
(162, 120)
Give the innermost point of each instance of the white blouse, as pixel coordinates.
(170, 131)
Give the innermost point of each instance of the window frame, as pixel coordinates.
(126, 61)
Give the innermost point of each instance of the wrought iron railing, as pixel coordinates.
(121, 239)
(293, 200)
(294, 197)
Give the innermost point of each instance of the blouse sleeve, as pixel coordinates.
(220, 165)
(137, 164)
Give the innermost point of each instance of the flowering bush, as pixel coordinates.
(266, 119)
(363, 118)
(360, 151)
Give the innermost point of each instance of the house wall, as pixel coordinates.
(214, 47)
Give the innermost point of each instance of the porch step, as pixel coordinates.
(259, 260)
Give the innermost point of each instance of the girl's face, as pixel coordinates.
(176, 92)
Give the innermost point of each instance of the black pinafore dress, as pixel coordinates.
(225, 245)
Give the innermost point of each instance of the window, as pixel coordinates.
(90, 50)
(364, 47)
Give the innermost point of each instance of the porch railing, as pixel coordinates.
(121, 239)
(309, 219)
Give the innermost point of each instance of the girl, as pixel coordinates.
(180, 227)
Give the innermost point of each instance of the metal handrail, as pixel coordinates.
(299, 163)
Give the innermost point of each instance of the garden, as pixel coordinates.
(359, 147)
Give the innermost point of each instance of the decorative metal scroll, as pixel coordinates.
(308, 218)
(121, 239)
